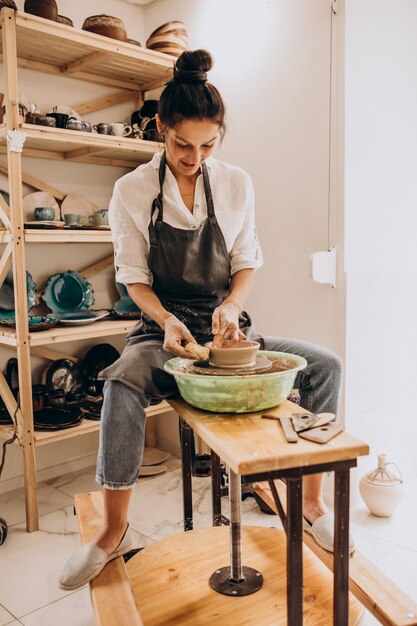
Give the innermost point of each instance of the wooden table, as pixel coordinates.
(257, 449)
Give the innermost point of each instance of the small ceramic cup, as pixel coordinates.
(120, 130)
(74, 124)
(44, 213)
(73, 219)
(242, 354)
(99, 218)
(103, 128)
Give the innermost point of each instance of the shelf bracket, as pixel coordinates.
(107, 101)
(83, 62)
(97, 267)
(5, 262)
(16, 139)
(52, 355)
(11, 405)
(5, 212)
(30, 180)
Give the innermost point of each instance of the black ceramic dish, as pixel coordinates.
(50, 418)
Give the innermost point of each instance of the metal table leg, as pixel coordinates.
(236, 579)
(294, 530)
(341, 549)
(187, 494)
(216, 489)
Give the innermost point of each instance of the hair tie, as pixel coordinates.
(191, 76)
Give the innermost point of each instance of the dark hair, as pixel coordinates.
(189, 95)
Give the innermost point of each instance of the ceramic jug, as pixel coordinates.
(381, 490)
(47, 9)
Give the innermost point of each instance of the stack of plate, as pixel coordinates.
(170, 38)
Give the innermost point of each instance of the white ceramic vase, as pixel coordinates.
(381, 490)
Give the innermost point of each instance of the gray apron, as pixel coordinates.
(191, 277)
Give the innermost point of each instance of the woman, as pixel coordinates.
(185, 245)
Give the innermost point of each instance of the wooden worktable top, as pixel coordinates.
(249, 444)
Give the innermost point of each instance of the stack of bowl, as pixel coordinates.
(170, 38)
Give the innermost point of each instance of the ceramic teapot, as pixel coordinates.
(381, 490)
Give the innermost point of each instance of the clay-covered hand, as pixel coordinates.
(176, 333)
(225, 325)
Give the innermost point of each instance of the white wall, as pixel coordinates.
(272, 66)
(381, 222)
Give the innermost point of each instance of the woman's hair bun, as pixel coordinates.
(193, 65)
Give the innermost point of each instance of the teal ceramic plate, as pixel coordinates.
(68, 292)
(36, 322)
(125, 307)
(7, 295)
(78, 318)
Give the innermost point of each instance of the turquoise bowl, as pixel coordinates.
(237, 394)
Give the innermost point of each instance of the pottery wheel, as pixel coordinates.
(262, 364)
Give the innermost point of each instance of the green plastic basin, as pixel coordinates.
(237, 394)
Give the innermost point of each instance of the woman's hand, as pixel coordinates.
(225, 325)
(175, 333)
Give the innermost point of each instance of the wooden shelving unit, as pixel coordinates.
(31, 42)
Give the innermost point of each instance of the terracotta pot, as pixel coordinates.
(64, 20)
(9, 4)
(106, 25)
(47, 9)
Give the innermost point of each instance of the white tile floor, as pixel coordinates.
(30, 563)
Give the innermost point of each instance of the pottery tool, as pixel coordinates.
(305, 421)
(322, 434)
(287, 426)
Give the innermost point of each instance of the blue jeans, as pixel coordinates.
(123, 417)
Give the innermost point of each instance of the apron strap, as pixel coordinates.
(157, 204)
(209, 198)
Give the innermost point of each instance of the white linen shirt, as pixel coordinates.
(130, 210)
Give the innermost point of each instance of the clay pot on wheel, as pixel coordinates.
(47, 9)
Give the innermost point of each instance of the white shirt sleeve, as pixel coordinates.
(246, 251)
(130, 246)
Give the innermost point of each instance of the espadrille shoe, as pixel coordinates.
(322, 531)
(88, 561)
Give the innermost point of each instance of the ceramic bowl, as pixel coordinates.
(106, 25)
(64, 20)
(236, 394)
(240, 355)
(170, 38)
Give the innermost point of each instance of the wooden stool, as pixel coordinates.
(170, 582)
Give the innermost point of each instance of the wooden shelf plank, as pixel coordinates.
(125, 65)
(63, 144)
(61, 334)
(83, 428)
(61, 235)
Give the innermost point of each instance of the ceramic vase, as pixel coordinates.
(381, 490)
(47, 9)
